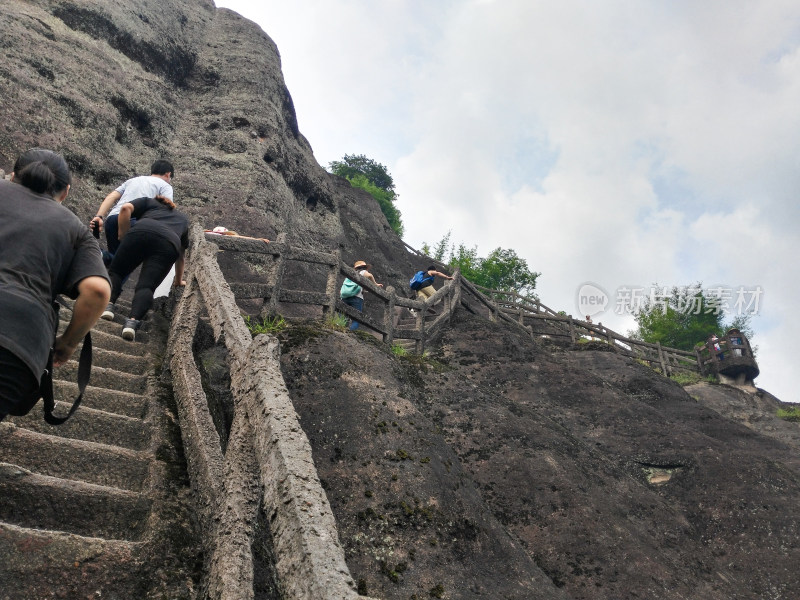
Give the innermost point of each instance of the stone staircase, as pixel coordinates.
(76, 500)
(408, 321)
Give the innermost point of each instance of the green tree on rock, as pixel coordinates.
(502, 269)
(373, 178)
(683, 317)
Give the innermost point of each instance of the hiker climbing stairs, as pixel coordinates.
(74, 502)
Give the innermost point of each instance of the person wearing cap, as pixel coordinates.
(357, 300)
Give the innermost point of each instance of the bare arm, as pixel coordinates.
(124, 220)
(247, 237)
(442, 275)
(369, 276)
(93, 295)
(106, 206)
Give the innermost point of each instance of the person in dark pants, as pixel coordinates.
(158, 183)
(45, 250)
(157, 242)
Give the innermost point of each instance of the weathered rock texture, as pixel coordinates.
(497, 467)
(489, 463)
(114, 85)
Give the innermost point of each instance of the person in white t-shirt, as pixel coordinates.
(158, 183)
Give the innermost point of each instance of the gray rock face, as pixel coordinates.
(115, 85)
(489, 464)
(501, 468)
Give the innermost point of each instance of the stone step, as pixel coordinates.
(110, 359)
(37, 564)
(123, 305)
(91, 425)
(74, 459)
(31, 500)
(112, 401)
(113, 328)
(114, 342)
(102, 377)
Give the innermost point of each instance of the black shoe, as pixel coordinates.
(108, 315)
(130, 328)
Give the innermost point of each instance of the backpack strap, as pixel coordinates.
(84, 373)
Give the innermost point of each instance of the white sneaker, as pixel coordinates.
(129, 331)
(108, 314)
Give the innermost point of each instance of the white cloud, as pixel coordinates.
(609, 142)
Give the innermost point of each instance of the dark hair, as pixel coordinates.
(42, 171)
(161, 167)
(166, 201)
(432, 268)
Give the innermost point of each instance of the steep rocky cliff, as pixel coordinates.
(492, 457)
(498, 466)
(114, 85)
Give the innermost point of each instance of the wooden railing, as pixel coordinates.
(543, 321)
(728, 355)
(265, 440)
(509, 306)
(384, 319)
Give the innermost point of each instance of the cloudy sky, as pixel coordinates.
(615, 144)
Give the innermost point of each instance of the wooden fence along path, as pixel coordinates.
(387, 324)
(539, 320)
(536, 318)
(544, 321)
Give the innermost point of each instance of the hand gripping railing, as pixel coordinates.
(266, 442)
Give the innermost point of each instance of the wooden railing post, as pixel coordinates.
(388, 316)
(571, 329)
(280, 267)
(661, 359)
(331, 290)
(699, 361)
(419, 345)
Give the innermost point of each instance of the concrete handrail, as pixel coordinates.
(265, 438)
(506, 305)
(275, 290)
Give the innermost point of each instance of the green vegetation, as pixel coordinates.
(502, 269)
(790, 414)
(689, 378)
(683, 318)
(268, 325)
(398, 350)
(373, 178)
(337, 321)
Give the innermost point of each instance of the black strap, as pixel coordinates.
(84, 373)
